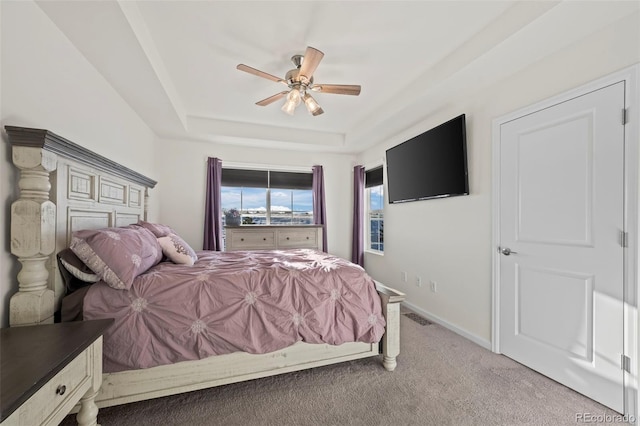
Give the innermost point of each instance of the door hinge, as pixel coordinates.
(624, 116)
(625, 363)
(624, 238)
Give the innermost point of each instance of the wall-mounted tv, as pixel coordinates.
(430, 165)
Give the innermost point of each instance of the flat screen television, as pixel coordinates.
(430, 165)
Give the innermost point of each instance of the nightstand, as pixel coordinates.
(47, 369)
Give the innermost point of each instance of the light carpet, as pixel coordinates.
(441, 379)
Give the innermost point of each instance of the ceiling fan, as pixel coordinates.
(300, 83)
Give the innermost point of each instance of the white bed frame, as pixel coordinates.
(66, 188)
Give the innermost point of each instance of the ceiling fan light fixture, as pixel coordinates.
(289, 107)
(312, 105)
(293, 100)
(300, 82)
(294, 96)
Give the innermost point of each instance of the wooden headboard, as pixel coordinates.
(63, 188)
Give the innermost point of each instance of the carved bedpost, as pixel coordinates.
(33, 226)
(391, 300)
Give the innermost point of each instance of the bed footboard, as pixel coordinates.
(137, 385)
(391, 300)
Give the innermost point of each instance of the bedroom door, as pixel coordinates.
(561, 259)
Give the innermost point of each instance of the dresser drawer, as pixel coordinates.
(272, 237)
(51, 403)
(253, 239)
(298, 238)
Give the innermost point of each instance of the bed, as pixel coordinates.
(68, 192)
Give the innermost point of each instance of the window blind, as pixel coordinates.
(266, 179)
(290, 180)
(245, 178)
(373, 177)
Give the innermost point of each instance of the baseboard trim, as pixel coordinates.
(446, 324)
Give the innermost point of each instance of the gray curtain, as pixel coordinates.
(319, 209)
(357, 244)
(212, 214)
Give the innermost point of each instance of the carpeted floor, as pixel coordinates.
(441, 379)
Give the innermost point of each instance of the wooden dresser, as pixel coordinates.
(261, 237)
(47, 369)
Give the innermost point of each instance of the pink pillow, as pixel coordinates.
(117, 255)
(177, 250)
(157, 229)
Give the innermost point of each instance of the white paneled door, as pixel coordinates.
(561, 242)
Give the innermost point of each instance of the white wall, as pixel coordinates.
(449, 240)
(46, 83)
(182, 172)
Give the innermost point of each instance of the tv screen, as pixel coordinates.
(430, 165)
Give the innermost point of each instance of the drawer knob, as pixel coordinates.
(307, 238)
(264, 239)
(241, 239)
(61, 390)
(287, 238)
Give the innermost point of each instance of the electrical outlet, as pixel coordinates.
(418, 281)
(434, 286)
(403, 276)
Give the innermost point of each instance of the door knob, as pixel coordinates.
(506, 251)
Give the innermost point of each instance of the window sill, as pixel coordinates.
(376, 252)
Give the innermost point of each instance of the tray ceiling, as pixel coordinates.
(175, 62)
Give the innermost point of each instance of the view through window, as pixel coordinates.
(262, 197)
(374, 209)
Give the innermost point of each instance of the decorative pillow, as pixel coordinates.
(117, 255)
(177, 250)
(157, 229)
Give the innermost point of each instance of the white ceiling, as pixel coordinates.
(175, 62)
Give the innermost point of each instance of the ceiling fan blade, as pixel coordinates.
(312, 58)
(338, 89)
(272, 99)
(246, 68)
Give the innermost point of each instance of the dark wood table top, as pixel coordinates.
(31, 355)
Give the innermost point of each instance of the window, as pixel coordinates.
(266, 197)
(374, 210)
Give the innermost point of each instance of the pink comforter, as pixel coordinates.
(256, 302)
